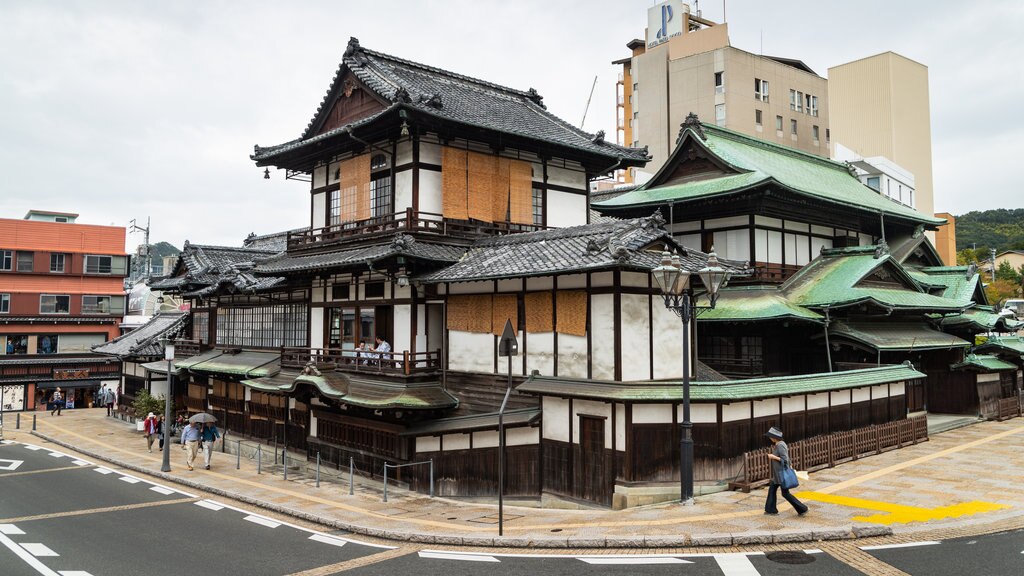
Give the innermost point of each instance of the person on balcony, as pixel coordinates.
(364, 353)
(383, 350)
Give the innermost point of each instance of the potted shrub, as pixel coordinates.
(144, 404)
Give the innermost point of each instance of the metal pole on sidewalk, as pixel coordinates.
(17, 421)
(284, 452)
(238, 456)
(33, 422)
(385, 481)
(317, 468)
(168, 403)
(259, 458)
(431, 477)
(351, 477)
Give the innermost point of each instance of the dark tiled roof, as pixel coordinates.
(277, 241)
(202, 270)
(462, 424)
(145, 340)
(612, 244)
(401, 245)
(45, 359)
(453, 97)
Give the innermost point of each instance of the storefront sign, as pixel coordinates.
(70, 373)
(665, 20)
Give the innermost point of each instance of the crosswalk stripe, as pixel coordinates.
(262, 521)
(10, 529)
(74, 573)
(904, 545)
(104, 471)
(455, 556)
(162, 490)
(37, 549)
(80, 463)
(735, 565)
(633, 560)
(56, 454)
(129, 479)
(328, 540)
(209, 505)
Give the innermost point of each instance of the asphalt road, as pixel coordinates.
(69, 517)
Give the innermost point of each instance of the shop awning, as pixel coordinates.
(160, 367)
(245, 364)
(68, 384)
(896, 336)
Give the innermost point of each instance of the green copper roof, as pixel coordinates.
(245, 364)
(834, 279)
(754, 303)
(983, 363)
(957, 285)
(378, 394)
(729, 391)
(1003, 344)
(474, 422)
(979, 319)
(891, 336)
(160, 367)
(759, 162)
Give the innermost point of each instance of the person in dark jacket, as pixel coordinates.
(779, 457)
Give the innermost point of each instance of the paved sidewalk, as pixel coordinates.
(969, 476)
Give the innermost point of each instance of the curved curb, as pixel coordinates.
(662, 541)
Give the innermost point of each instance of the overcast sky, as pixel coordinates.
(121, 110)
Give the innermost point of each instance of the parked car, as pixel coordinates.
(1014, 307)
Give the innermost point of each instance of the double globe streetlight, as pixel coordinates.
(674, 282)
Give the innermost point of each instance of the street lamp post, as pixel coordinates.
(674, 283)
(168, 400)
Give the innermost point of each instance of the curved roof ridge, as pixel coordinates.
(781, 148)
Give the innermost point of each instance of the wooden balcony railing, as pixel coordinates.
(195, 404)
(224, 403)
(403, 362)
(408, 221)
(266, 411)
(186, 348)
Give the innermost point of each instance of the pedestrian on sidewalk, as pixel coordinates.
(160, 429)
(108, 400)
(58, 401)
(780, 459)
(210, 435)
(150, 428)
(190, 437)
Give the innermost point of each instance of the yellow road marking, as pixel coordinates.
(96, 510)
(358, 562)
(27, 472)
(899, 513)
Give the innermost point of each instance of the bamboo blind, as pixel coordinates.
(483, 185)
(355, 188)
(506, 307)
(500, 207)
(521, 192)
(454, 184)
(572, 312)
(538, 312)
(470, 313)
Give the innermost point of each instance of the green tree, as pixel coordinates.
(1005, 271)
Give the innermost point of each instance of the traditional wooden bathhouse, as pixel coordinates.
(141, 346)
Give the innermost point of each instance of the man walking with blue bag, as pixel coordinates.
(783, 476)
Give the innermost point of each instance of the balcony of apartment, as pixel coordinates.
(399, 364)
(410, 221)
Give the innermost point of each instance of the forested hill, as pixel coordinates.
(1000, 229)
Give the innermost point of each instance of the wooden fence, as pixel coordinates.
(831, 449)
(1009, 408)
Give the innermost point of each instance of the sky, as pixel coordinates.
(122, 110)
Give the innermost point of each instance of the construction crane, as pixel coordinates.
(587, 107)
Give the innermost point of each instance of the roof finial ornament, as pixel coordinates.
(402, 242)
(656, 220)
(353, 46)
(882, 249)
(599, 137)
(432, 100)
(402, 95)
(972, 269)
(536, 98)
(310, 369)
(918, 231)
(693, 123)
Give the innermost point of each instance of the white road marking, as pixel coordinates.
(262, 521)
(735, 565)
(162, 490)
(26, 557)
(33, 447)
(905, 545)
(632, 560)
(210, 505)
(6, 464)
(57, 454)
(36, 549)
(10, 529)
(80, 463)
(129, 479)
(103, 470)
(328, 540)
(453, 556)
(74, 573)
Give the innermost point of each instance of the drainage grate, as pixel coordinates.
(790, 557)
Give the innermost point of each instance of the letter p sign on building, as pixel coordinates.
(664, 21)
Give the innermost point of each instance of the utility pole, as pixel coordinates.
(148, 258)
(992, 259)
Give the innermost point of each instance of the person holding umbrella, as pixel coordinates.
(210, 435)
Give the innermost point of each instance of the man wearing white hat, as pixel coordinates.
(780, 460)
(151, 429)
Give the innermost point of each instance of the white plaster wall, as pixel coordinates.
(592, 408)
(430, 192)
(572, 281)
(514, 285)
(602, 279)
(602, 337)
(727, 221)
(430, 153)
(686, 226)
(470, 288)
(555, 420)
(897, 389)
(840, 397)
(735, 411)
(404, 152)
(522, 436)
(470, 352)
(403, 190)
(620, 427)
(421, 327)
(572, 356)
(318, 293)
(517, 361)
(566, 209)
(793, 404)
(158, 387)
(319, 176)
(403, 324)
(652, 413)
(316, 328)
(319, 209)
(540, 353)
(568, 178)
(861, 394)
(635, 279)
(456, 442)
(815, 401)
(400, 293)
(991, 377)
(636, 337)
(486, 439)
(248, 394)
(539, 283)
(668, 343)
(880, 391)
(766, 407)
(428, 444)
(312, 425)
(701, 413)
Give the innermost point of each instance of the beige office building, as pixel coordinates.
(878, 106)
(775, 99)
